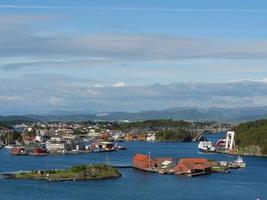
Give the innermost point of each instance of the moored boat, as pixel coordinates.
(99, 147)
(206, 146)
(10, 146)
(38, 151)
(16, 151)
(240, 162)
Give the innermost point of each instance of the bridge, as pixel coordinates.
(200, 135)
(209, 129)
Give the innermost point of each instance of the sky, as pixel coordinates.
(124, 55)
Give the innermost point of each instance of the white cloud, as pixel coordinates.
(11, 99)
(264, 79)
(146, 97)
(129, 47)
(55, 100)
(120, 84)
(92, 93)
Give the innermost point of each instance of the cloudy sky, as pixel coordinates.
(124, 55)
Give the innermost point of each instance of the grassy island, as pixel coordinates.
(80, 172)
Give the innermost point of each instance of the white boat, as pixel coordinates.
(240, 162)
(9, 146)
(206, 146)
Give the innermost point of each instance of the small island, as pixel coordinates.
(80, 172)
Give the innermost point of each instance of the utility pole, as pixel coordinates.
(107, 160)
(149, 160)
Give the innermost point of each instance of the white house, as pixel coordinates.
(151, 137)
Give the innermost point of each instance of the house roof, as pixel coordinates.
(194, 160)
(195, 163)
(141, 157)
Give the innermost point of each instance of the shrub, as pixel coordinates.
(78, 168)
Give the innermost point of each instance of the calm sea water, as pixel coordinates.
(245, 184)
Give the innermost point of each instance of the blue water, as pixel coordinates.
(245, 184)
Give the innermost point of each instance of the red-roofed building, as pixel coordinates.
(193, 166)
(142, 161)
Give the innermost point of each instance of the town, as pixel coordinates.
(44, 138)
(59, 138)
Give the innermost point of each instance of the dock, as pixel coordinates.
(122, 166)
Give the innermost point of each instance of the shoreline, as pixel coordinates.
(241, 154)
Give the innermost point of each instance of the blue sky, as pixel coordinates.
(75, 55)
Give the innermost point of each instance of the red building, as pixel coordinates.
(141, 161)
(193, 166)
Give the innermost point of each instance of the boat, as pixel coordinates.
(38, 151)
(119, 148)
(10, 146)
(106, 147)
(240, 162)
(16, 151)
(206, 146)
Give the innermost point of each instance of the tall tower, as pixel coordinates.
(230, 140)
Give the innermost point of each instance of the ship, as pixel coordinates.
(206, 146)
(240, 162)
(106, 147)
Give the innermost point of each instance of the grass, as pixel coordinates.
(80, 172)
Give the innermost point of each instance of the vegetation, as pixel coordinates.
(80, 172)
(31, 133)
(178, 135)
(4, 125)
(153, 125)
(10, 137)
(251, 137)
(78, 168)
(79, 131)
(166, 130)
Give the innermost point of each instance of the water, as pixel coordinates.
(245, 184)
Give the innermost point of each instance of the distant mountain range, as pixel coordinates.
(192, 114)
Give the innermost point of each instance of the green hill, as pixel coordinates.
(251, 137)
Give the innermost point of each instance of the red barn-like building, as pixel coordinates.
(193, 166)
(141, 161)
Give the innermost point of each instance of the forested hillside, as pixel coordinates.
(252, 137)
